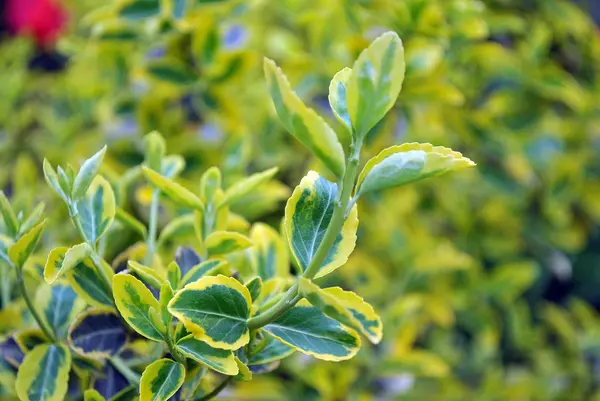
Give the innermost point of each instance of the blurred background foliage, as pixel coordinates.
(488, 281)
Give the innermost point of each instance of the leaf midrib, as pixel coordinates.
(211, 313)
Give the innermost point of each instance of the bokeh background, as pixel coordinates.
(488, 280)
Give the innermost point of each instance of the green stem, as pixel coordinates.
(335, 226)
(173, 351)
(5, 285)
(217, 390)
(48, 331)
(152, 227)
(130, 375)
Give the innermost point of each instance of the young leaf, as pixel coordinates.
(148, 275)
(62, 259)
(10, 218)
(214, 309)
(131, 222)
(246, 186)
(33, 219)
(88, 171)
(20, 251)
(161, 380)
(309, 331)
(307, 216)
(59, 304)
(254, 286)
(210, 183)
(217, 359)
(89, 285)
(375, 82)
(271, 258)
(338, 89)
(44, 373)
(165, 296)
(97, 333)
(346, 307)
(203, 269)
(271, 350)
(154, 150)
(303, 122)
(92, 395)
(172, 190)
(52, 179)
(65, 181)
(407, 163)
(97, 209)
(172, 166)
(244, 372)
(224, 242)
(138, 306)
(173, 275)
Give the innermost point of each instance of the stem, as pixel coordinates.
(130, 375)
(335, 226)
(5, 285)
(152, 227)
(217, 390)
(173, 351)
(48, 331)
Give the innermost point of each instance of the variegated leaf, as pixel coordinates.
(270, 255)
(44, 374)
(59, 305)
(407, 163)
(89, 284)
(161, 380)
(303, 122)
(224, 242)
(96, 210)
(375, 82)
(217, 359)
(20, 251)
(246, 186)
(307, 216)
(173, 191)
(97, 333)
(338, 89)
(62, 259)
(214, 309)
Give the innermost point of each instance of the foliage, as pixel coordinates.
(460, 269)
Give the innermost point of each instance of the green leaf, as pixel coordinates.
(62, 259)
(172, 165)
(33, 219)
(96, 210)
(375, 82)
(138, 306)
(244, 372)
(59, 305)
(407, 163)
(344, 306)
(210, 183)
(303, 122)
(309, 331)
(246, 186)
(131, 222)
(270, 254)
(148, 275)
(254, 287)
(202, 269)
(20, 251)
(178, 227)
(88, 171)
(154, 151)
(173, 71)
(89, 285)
(307, 216)
(52, 179)
(92, 395)
(97, 333)
(8, 214)
(165, 296)
(269, 350)
(44, 373)
(140, 9)
(223, 242)
(217, 359)
(161, 380)
(338, 89)
(65, 181)
(174, 191)
(173, 275)
(214, 309)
